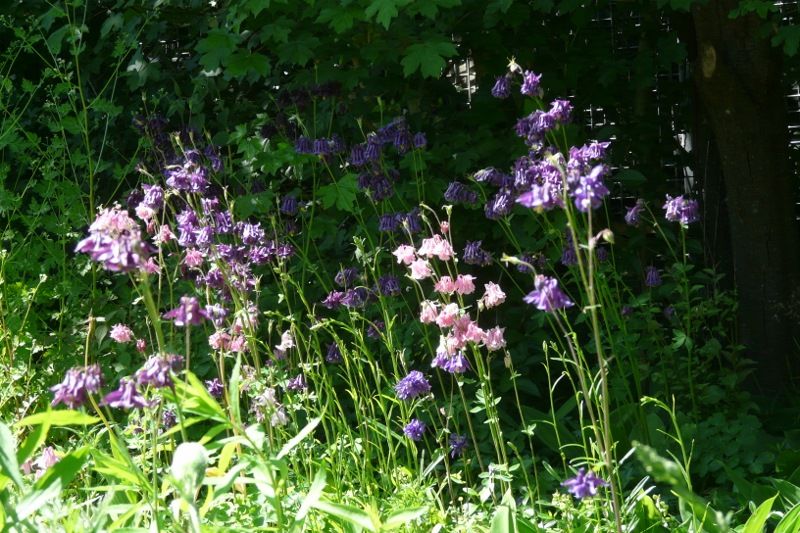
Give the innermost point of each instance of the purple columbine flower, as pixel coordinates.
(420, 140)
(289, 205)
(544, 197)
(584, 485)
(502, 87)
(626, 311)
(214, 387)
(561, 110)
(168, 418)
(458, 443)
(115, 241)
(547, 296)
(475, 255)
(683, 210)
(415, 429)
(358, 157)
(389, 222)
(126, 396)
(216, 313)
(303, 145)
(389, 285)
(346, 277)
(188, 313)
(334, 354)
(411, 386)
(333, 300)
(669, 311)
(452, 364)
(297, 383)
(78, 383)
(633, 216)
(156, 371)
(459, 193)
(591, 190)
(530, 84)
(374, 329)
(354, 298)
(499, 205)
(652, 278)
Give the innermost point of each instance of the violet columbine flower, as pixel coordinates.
(156, 371)
(358, 156)
(126, 396)
(389, 285)
(652, 278)
(346, 277)
(452, 364)
(547, 296)
(683, 210)
(458, 443)
(475, 255)
(584, 485)
(78, 383)
(530, 84)
(289, 205)
(411, 386)
(561, 110)
(633, 216)
(591, 190)
(115, 241)
(121, 333)
(354, 298)
(188, 313)
(502, 87)
(459, 193)
(415, 429)
(297, 383)
(542, 197)
(303, 145)
(420, 140)
(334, 354)
(498, 205)
(214, 387)
(168, 418)
(333, 300)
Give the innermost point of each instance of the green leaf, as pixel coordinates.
(311, 498)
(348, 513)
(8, 457)
(243, 63)
(32, 442)
(341, 194)
(789, 37)
(340, 19)
(503, 521)
(790, 522)
(403, 517)
(384, 11)
(59, 418)
(428, 58)
(302, 434)
(756, 522)
(216, 48)
(52, 482)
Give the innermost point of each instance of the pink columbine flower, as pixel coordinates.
(428, 312)
(193, 258)
(405, 254)
(219, 340)
(436, 246)
(444, 227)
(421, 269)
(239, 344)
(494, 339)
(141, 345)
(464, 284)
(287, 343)
(151, 267)
(445, 285)
(121, 333)
(492, 297)
(164, 235)
(144, 212)
(447, 317)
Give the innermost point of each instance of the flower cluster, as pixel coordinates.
(683, 210)
(115, 241)
(78, 384)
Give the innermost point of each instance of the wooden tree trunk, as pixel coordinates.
(738, 78)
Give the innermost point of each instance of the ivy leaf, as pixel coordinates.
(216, 48)
(341, 194)
(428, 58)
(384, 11)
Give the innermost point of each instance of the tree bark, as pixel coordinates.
(738, 76)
